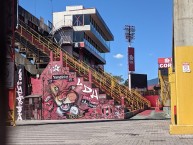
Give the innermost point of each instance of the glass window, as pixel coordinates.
(86, 19)
(78, 36)
(78, 20)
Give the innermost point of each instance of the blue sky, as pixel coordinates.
(151, 18)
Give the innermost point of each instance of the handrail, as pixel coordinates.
(103, 80)
(164, 88)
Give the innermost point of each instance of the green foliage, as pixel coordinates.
(119, 78)
(126, 82)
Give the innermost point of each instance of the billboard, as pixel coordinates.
(138, 81)
(131, 59)
(164, 62)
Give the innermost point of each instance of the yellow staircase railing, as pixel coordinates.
(165, 89)
(103, 80)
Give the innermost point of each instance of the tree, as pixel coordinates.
(126, 82)
(119, 78)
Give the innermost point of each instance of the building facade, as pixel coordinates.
(83, 33)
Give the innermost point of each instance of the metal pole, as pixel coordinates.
(129, 80)
(52, 14)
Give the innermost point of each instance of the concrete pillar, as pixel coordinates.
(181, 79)
(183, 23)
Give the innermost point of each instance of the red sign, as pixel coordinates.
(131, 59)
(164, 62)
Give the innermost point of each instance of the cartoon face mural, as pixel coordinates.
(59, 98)
(66, 96)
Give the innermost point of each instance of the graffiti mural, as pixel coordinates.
(20, 92)
(68, 96)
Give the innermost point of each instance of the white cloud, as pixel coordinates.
(120, 64)
(118, 56)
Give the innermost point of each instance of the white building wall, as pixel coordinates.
(72, 8)
(58, 19)
(68, 20)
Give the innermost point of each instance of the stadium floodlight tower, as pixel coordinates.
(130, 36)
(129, 33)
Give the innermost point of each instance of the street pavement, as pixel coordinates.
(98, 132)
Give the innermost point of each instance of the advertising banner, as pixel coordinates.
(131, 59)
(164, 62)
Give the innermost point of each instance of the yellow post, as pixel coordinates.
(182, 91)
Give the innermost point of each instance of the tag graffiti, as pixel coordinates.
(20, 97)
(88, 90)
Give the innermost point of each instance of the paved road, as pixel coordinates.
(130, 132)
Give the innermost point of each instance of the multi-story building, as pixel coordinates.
(83, 33)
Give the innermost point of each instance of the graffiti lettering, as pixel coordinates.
(94, 94)
(79, 83)
(19, 96)
(88, 90)
(59, 77)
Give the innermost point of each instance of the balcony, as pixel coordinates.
(99, 36)
(94, 51)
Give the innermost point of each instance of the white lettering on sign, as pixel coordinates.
(19, 96)
(88, 90)
(167, 60)
(165, 65)
(131, 57)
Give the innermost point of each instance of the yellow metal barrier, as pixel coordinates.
(103, 80)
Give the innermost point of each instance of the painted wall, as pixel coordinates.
(20, 92)
(153, 99)
(66, 96)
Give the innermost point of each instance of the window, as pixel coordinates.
(86, 19)
(78, 36)
(78, 20)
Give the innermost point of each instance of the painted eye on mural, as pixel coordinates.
(56, 88)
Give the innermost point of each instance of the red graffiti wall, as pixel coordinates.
(67, 96)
